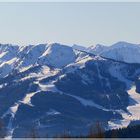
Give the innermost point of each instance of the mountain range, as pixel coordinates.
(56, 88)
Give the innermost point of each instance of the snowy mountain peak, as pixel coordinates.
(120, 51)
(122, 44)
(79, 47)
(50, 81)
(98, 49)
(8, 47)
(123, 51)
(57, 55)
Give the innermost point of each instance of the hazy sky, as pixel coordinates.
(69, 23)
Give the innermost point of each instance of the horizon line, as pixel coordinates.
(16, 44)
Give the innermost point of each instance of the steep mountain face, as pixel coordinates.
(121, 51)
(53, 88)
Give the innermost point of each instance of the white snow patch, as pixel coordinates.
(12, 110)
(62, 76)
(12, 61)
(25, 68)
(5, 69)
(47, 72)
(52, 112)
(3, 85)
(134, 108)
(27, 98)
(48, 87)
(133, 111)
(81, 63)
(86, 102)
(2, 54)
(31, 75)
(116, 124)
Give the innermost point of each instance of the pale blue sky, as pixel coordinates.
(69, 23)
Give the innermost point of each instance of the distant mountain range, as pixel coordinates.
(121, 51)
(54, 88)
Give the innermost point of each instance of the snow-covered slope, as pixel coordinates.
(22, 58)
(8, 52)
(79, 47)
(57, 56)
(8, 58)
(121, 51)
(98, 49)
(30, 54)
(56, 84)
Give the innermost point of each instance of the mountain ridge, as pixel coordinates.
(71, 93)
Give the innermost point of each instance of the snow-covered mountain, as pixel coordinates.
(121, 51)
(54, 88)
(98, 49)
(79, 47)
(57, 56)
